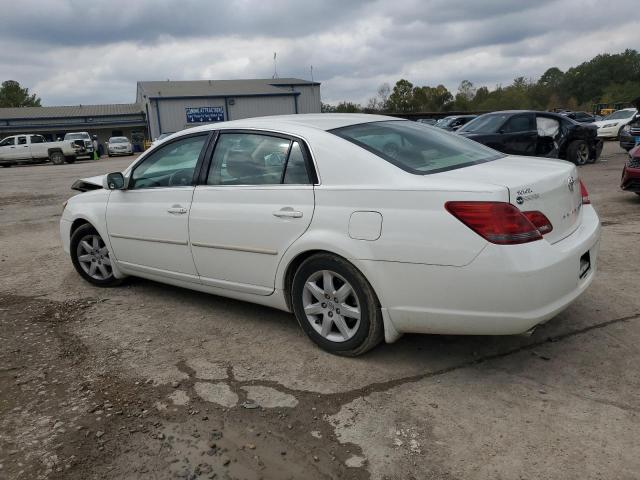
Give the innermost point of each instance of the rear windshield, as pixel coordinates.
(415, 148)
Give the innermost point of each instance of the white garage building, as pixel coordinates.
(170, 106)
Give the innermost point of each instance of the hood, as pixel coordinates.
(86, 184)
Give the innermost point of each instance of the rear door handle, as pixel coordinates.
(287, 212)
(177, 210)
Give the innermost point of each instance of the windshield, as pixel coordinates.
(118, 140)
(489, 123)
(620, 114)
(76, 136)
(416, 149)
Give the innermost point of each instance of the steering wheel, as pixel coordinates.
(181, 178)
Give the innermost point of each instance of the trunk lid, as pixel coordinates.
(535, 184)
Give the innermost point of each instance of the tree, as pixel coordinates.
(348, 107)
(380, 102)
(466, 92)
(13, 95)
(401, 98)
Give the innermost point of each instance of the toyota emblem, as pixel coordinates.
(570, 183)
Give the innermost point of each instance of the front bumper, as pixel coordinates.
(505, 290)
(609, 132)
(630, 179)
(120, 152)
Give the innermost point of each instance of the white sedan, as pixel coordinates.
(119, 146)
(611, 126)
(365, 227)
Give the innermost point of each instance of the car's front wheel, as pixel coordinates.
(336, 306)
(90, 257)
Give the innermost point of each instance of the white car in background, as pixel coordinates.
(309, 214)
(611, 126)
(119, 146)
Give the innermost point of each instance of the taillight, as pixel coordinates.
(497, 222)
(585, 195)
(540, 221)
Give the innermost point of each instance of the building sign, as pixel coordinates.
(205, 114)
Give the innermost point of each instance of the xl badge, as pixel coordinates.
(570, 183)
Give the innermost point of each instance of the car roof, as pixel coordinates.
(317, 121)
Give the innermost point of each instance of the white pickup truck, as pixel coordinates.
(30, 148)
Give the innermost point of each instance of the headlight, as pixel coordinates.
(609, 125)
(626, 129)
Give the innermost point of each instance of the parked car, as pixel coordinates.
(582, 117)
(83, 140)
(630, 135)
(454, 122)
(631, 172)
(427, 121)
(359, 250)
(28, 148)
(611, 126)
(540, 134)
(119, 146)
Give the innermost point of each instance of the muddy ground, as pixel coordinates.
(148, 381)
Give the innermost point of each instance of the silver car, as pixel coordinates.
(119, 146)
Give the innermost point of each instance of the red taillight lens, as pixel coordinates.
(585, 195)
(497, 222)
(540, 221)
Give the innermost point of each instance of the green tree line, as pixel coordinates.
(606, 78)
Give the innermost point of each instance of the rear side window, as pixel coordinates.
(416, 149)
(519, 123)
(257, 159)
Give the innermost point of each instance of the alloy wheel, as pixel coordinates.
(331, 306)
(582, 154)
(93, 257)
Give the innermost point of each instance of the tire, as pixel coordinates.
(332, 331)
(86, 243)
(57, 158)
(70, 159)
(576, 152)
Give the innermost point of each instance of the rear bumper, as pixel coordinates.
(505, 290)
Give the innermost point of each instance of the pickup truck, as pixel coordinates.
(30, 148)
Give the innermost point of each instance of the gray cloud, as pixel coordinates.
(71, 51)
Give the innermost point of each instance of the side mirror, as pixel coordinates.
(113, 181)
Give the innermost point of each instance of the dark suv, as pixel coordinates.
(540, 134)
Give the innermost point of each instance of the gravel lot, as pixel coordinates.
(149, 381)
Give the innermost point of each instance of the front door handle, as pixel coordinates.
(177, 210)
(287, 212)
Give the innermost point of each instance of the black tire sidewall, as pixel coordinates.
(362, 290)
(76, 236)
(573, 152)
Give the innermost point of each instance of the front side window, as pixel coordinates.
(37, 139)
(22, 140)
(172, 165)
(256, 159)
(489, 123)
(7, 142)
(417, 149)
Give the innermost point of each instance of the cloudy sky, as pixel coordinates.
(79, 51)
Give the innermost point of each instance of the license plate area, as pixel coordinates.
(585, 265)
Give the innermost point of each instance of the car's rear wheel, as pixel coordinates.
(336, 306)
(578, 152)
(90, 257)
(57, 158)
